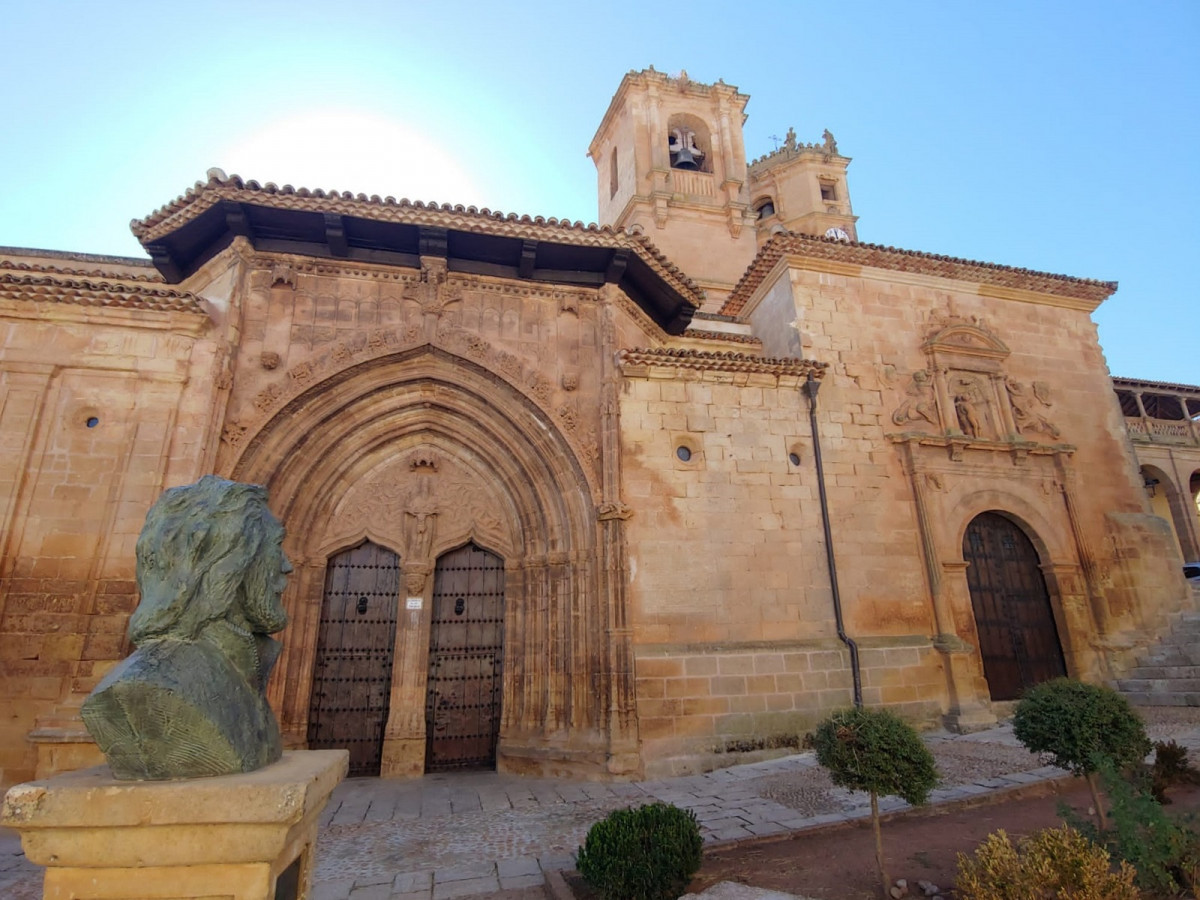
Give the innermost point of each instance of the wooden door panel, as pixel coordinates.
(352, 676)
(462, 710)
(1018, 639)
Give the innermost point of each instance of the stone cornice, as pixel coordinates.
(849, 258)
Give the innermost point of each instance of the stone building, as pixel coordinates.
(566, 498)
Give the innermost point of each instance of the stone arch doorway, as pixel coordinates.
(466, 660)
(352, 673)
(425, 451)
(1018, 637)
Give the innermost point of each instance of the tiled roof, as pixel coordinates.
(1143, 384)
(877, 256)
(220, 188)
(49, 284)
(700, 333)
(721, 361)
(149, 276)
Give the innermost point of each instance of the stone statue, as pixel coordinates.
(968, 420)
(190, 700)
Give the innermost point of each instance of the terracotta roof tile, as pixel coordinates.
(45, 286)
(878, 256)
(721, 361)
(701, 334)
(150, 276)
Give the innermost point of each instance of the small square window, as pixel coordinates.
(828, 191)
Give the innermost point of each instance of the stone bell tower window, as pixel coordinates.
(828, 191)
(612, 175)
(689, 144)
(765, 208)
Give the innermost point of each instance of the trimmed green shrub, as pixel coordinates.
(1070, 720)
(647, 853)
(1076, 724)
(876, 751)
(1054, 862)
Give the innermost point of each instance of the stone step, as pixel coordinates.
(1167, 655)
(1180, 671)
(1163, 699)
(1159, 685)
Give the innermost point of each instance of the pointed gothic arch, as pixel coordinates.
(426, 450)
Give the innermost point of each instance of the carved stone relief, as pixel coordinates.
(920, 405)
(432, 308)
(965, 393)
(414, 503)
(1026, 401)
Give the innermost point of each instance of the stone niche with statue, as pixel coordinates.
(198, 798)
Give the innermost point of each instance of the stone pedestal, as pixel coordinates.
(236, 837)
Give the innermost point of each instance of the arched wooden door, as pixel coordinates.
(352, 678)
(1018, 639)
(466, 660)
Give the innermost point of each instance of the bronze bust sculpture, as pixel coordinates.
(190, 701)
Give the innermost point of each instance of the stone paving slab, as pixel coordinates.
(444, 836)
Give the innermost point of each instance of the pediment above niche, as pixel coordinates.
(965, 343)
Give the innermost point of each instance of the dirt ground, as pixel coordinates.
(839, 863)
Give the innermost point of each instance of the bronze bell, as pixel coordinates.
(684, 154)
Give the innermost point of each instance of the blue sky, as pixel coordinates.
(1060, 136)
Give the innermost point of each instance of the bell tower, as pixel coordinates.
(803, 187)
(670, 162)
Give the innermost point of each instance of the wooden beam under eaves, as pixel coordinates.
(164, 261)
(528, 257)
(335, 234)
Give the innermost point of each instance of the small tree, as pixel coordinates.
(875, 751)
(1077, 724)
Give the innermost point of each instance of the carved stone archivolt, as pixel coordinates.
(965, 395)
(441, 330)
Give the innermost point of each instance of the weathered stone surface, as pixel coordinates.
(191, 700)
(214, 837)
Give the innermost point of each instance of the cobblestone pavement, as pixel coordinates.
(448, 836)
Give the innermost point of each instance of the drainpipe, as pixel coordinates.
(811, 386)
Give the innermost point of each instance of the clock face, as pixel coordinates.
(837, 234)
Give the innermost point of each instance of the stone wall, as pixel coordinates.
(103, 384)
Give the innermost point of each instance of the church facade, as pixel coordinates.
(612, 500)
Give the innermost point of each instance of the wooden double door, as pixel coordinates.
(1018, 638)
(352, 675)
